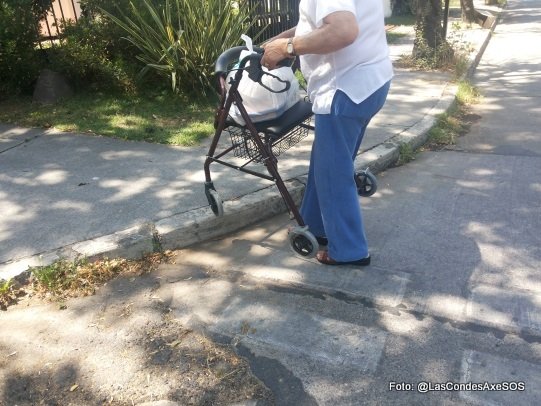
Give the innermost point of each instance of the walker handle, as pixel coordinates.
(256, 72)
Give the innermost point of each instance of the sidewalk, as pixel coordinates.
(65, 195)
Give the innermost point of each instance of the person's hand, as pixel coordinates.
(275, 51)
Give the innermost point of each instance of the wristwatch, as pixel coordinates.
(290, 50)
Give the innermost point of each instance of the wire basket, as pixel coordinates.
(245, 146)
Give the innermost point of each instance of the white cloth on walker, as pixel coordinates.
(262, 104)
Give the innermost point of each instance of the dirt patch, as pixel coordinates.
(118, 347)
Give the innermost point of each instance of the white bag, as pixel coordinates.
(261, 104)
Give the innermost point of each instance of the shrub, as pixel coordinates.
(103, 30)
(19, 60)
(182, 39)
(88, 57)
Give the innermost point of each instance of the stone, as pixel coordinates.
(51, 87)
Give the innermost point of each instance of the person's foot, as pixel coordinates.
(324, 258)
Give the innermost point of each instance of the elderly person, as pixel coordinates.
(344, 58)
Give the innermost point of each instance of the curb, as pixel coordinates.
(199, 225)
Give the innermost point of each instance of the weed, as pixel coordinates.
(7, 293)
(467, 93)
(448, 127)
(5, 286)
(453, 124)
(406, 154)
(80, 277)
(442, 58)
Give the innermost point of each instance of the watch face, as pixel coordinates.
(290, 48)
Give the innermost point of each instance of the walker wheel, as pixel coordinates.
(215, 202)
(366, 183)
(303, 242)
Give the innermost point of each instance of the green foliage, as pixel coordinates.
(406, 154)
(81, 277)
(454, 123)
(300, 77)
(89, 57)
(182, 39)
(210, 27)
(448, 127)
(161, 117)
(443, 57)
(103, 31)
(5, 286)
(467, 93)
(19, 60)
(57, 276)
(157, 38)
(8, 294)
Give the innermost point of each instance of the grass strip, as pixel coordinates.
(164, 119)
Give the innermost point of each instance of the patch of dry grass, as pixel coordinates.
(74, 278)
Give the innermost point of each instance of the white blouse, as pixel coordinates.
(358, 69)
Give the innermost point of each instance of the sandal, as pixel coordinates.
(324, 258)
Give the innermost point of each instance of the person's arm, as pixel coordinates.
(339, 30)
(284, 34)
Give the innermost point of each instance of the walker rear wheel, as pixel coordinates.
(366, 183)
(303, 242)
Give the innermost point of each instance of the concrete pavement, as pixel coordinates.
(65, 195)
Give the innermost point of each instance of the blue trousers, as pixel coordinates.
(330, 206)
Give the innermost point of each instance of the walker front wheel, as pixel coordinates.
(215, 202)
(303, 242)
(366, 183)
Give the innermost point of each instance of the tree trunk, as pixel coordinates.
(468, 11)
(430, 43)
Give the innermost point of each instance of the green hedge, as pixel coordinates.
(20, 61)
(92, 56)
(180, 41)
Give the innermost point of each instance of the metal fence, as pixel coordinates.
(60, 13)
(271, 18)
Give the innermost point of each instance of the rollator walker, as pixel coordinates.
(262, 142)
